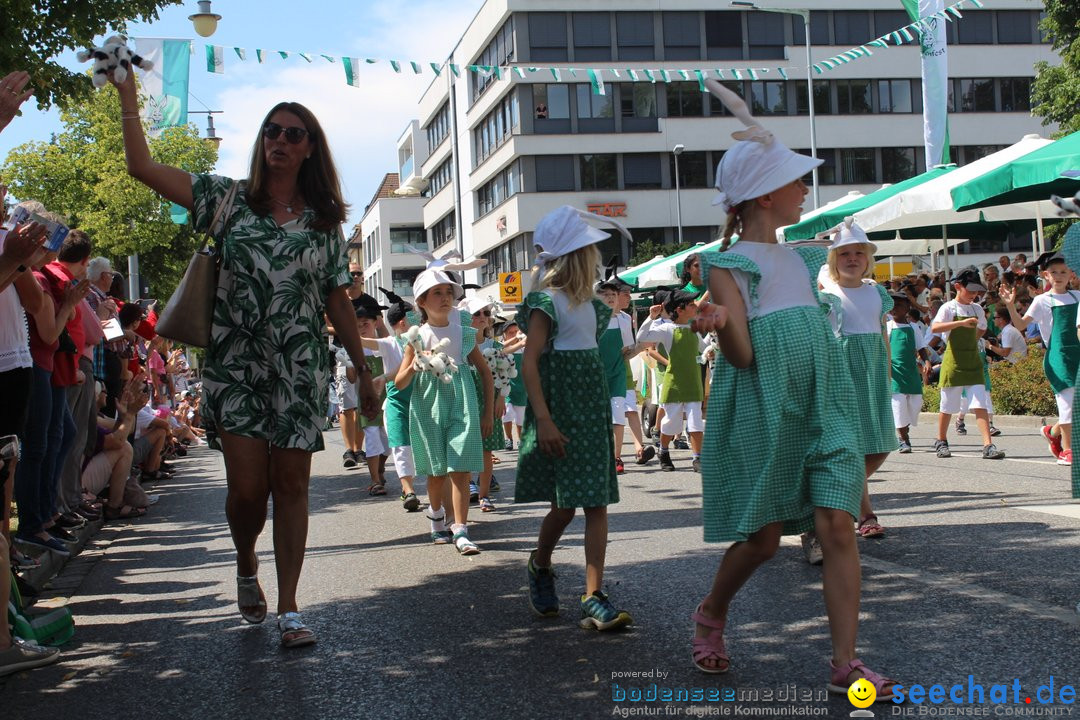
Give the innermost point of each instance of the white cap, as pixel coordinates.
(848, 233)
(432, 277)
(751, 169)
(564, 230)
(476, 304)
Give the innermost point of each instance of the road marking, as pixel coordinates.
(1072, 510)
(1041, 610)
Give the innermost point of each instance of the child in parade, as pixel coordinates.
(643, 453)
(480, 309)
(567, 452)
(396, 407)
(766, 302)
(858, 317)
(961, 322)
(1070, 249)
(514, 346)
(616, 345)
(376, 447)
(909, 363)
(446, 423)
(681, 391)
(1055, 313)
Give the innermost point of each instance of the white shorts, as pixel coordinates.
(672, 424)
(346, 391)
(961, 398)
(1064, 403)
(618, 411)
(403, 461)
(905, 410)
(375, 442)
(631, 401)
(514, 414)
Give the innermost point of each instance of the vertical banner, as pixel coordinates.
(165, 88)
(935, 77)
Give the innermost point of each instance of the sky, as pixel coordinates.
(362, 124)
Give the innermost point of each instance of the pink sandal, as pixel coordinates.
(870, 528)
(710, 647)
(839, 684)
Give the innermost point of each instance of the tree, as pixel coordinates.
(81, 174)
(646, 250)
(1056, 92)
(35, 32)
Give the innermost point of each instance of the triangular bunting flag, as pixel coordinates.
(455, 70)
(284, 55)
(396, 65)
(416, 67)
(519, 72)
(436, 68)
(240, 53)
(350, 65)
(259, 55)
(782, 72)
(556, 74)
(632, 74)
(306, 56)
(215, 59)
(329, 58)
(700, 80)
(751, 73)
(597, 82)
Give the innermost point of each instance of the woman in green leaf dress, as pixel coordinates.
(283, 265)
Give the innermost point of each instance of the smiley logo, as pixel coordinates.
(861, 693)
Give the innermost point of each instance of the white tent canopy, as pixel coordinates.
(893, 248)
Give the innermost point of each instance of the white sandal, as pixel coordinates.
(249, 594)
(464, 545)
(294, 633)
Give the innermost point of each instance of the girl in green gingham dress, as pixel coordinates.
(859, 308)
(494, 440)
(446, 425)
(779, 454)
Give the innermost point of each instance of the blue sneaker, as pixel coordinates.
(51, 544)
(495, 486)
(597, 613)
(542, 597)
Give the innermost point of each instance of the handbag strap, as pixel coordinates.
(224, 211)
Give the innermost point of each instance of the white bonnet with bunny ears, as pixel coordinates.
(438, 269)
(848, 233)
(564, 230)
(758, 163)
(477, 303)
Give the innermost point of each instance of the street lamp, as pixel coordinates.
(211, 131)
(205, 21)
(677, 151)
(805, 15)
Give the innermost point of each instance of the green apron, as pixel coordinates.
(1063, 349)
(962, 365)
(906, 379)
(682, 381)
(518, 395)
(611, 347)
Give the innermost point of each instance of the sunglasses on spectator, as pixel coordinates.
(357, 274)
(294, 135)
(485, 313)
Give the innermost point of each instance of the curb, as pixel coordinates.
(51, 563)
(1032, 422)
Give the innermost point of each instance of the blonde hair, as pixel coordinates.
(835, 275)
(734, 223)
(573, 273)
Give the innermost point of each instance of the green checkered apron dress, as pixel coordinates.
(868, 367)
(1071, 250)
(906, 379)
(517, 395)
(495, 440)
(575, 387)
(778, 438)
(444, 418)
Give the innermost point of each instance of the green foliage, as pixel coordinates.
(648, 249)
(1022, 389)
(34, 32)
(82, 175)
(1056, 92)
(931, 399)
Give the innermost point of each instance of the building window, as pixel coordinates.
(591, 105)
(495, 128)
(439, 127)
(592, 36)
(768, 98)
(716, 107)
(498, 52)
(852, 27)
(1015, 94)
(766, 34)
(638, 100)
(554, 173)
(822, 98)
(827, 169)
(401, 239)
(857, 166)
(894, 96)
(887, 21)
(547, 36)
(552, 102)
(444, 230)
(402, 280)
(977, 28)
(682, 36)
(598, 172)
(498, 189)
(971, 153)
(684, 100)
(693, 169)
(897, 164)
(723, 35)
(515, 255)
(853, 97)
(634, 34)
(641, 171)
(441, 177)
(974, 95)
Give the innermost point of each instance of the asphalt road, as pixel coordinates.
(977, 576)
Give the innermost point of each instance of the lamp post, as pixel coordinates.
(211, 131)
(805, 15)
(205, 21)
(677, 151)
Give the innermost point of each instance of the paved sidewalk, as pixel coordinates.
(977, 576)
